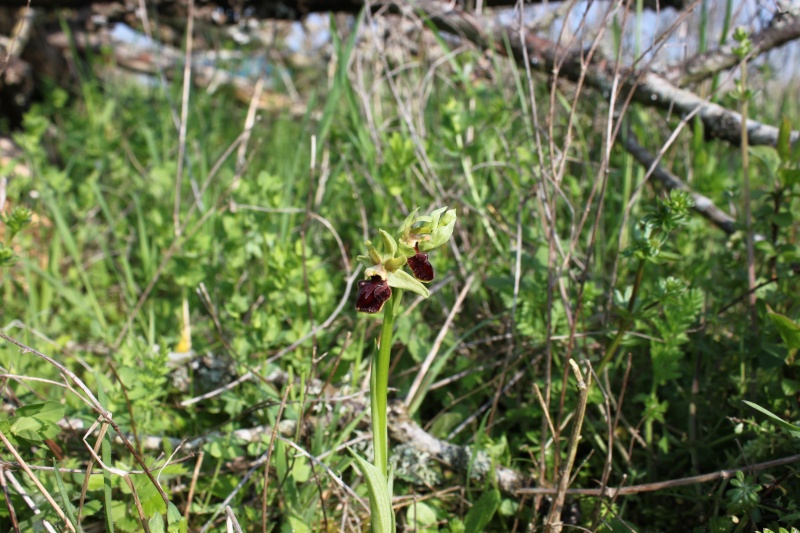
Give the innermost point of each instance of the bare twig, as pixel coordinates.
(9, 504)
(610, 492)
(784, 28)
(426, 364)
(42, 490)
(553, 523)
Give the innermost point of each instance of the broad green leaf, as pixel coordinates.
(793, 430)
(421, 517)
(788, 330)
(482, 512)
(401, 279)
(156, 524)
(27, 428)
(380, 502)
(174, 518)
(50, 411)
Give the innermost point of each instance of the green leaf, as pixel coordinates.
(788, 330)
(791, 429)
(421, 517)
(27, 428)
(49, 411)
(784, 140)
(62, 489)
(790, 176)
(174, 518)
(401, 279)
(380, 503)
(768, 156)
(482, 512)
(156, 524)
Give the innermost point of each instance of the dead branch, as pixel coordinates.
(403, 430)
(611, 492)
(702, 204)
(279, 9)
(784, 28)
(649, 88)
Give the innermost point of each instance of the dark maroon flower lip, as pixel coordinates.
(372, 294)
(420, 265)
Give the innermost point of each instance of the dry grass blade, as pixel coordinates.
(42, 490)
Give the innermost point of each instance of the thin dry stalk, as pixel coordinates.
(193, 485)
(28, 501)
(231, 523)
(269, 457)
(426, 364)
(35, 480)
(553, 523)
(748, 216)
(611, 432)
(9, 504)
(187, 83)
(612, 492)
(137, 502)
(89, 467)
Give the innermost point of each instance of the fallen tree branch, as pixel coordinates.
(702, 204)
(649, 88)
(403, 430)
(280, 9)
(784, 28)
(611, 492)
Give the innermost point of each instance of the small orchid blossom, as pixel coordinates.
(417, 235)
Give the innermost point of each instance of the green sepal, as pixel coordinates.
(403, 280)
(406, 250)
(380, 503)
(436, 215)
(374, 256)
(394, 263)
(441, 232)
(389, 244)
(405, 227)
(365, 260)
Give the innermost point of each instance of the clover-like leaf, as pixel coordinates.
(403, 280)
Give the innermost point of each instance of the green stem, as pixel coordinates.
(379, 386)
(625, 324)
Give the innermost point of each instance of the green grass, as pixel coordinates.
(104, 233)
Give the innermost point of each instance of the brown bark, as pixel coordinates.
(280, 9)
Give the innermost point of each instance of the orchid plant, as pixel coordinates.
(385, 280)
